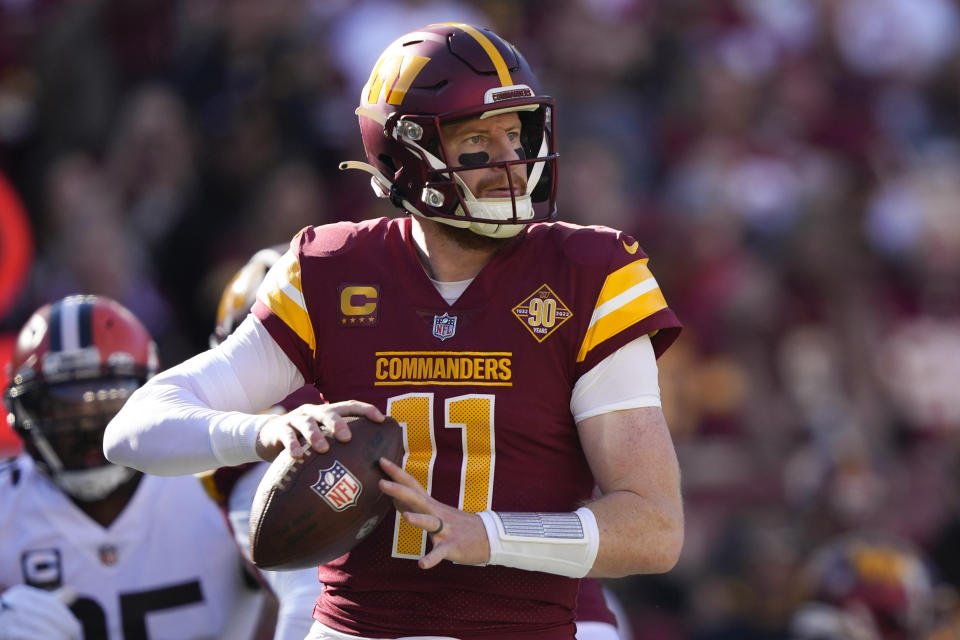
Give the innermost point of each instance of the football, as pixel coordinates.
(312, 509)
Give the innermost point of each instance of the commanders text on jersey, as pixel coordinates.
(444, 367)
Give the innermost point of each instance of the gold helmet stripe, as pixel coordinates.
(498, 62)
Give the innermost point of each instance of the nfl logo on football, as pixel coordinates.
(444, 326)
(337, 486)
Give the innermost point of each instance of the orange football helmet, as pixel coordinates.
(75, 362)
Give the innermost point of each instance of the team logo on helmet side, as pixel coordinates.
(542, 312)
(394, 74)
(338, 487)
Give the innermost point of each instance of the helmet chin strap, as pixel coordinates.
(86, 485)
(494, 209)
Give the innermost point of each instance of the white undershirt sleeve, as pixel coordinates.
(626, 379)
(203, 413)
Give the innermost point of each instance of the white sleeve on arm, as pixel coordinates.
(202, 413)
(626, 379)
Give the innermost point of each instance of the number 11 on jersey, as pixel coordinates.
(473, 415)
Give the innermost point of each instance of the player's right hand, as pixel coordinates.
(311, 423)
(28, 613)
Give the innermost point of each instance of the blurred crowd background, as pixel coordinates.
(791, 166)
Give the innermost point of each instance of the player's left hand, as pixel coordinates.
(457, 536)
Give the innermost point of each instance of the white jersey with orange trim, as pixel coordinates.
(167, 567)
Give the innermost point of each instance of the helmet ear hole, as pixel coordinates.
(544, 188)
(387, 161)
(531, 132)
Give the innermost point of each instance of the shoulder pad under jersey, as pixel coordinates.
(336, 238)
(599, 246)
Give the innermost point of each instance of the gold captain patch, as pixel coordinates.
(542, 312)
(358, 305)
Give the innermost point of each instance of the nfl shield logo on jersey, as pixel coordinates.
(444, 326)
(108, 554)
(337, 486)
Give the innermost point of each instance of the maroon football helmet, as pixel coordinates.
(75, 363)
(440, 74)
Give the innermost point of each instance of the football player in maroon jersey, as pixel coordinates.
(518, 353)
(232, 487)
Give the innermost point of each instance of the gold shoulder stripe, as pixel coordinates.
(629, 295)
(498, 62)
(282, 292)
(622, 280)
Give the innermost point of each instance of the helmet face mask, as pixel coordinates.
(74, 365)
(442, 74)
(70, 417)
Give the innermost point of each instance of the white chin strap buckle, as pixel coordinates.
(495, 210)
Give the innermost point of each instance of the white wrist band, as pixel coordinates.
(560, 543)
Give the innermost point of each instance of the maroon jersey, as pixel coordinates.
(592, 604)
(482, 390)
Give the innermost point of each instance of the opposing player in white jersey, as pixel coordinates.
(89, 549)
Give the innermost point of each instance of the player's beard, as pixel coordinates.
(473, 241)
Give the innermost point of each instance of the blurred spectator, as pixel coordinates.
(895, 38)
(152, 165)
(791, 166)
(359, 30)
(864, 586)
(88, 246)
